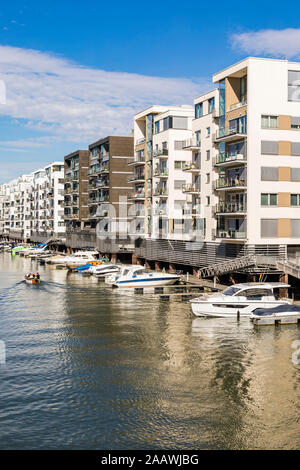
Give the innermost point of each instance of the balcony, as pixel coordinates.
(162, 152)
(160, 192)
(231, 234)
(230, 184)
(230, 159)
(230, 133)
(230, 208)
(141, 141)
(239, 104)
(93, 171)
(191, 188)
(191, 144)
(138, 160)
(136, 178)
(137, 196)
(161, 172)
(192, 167)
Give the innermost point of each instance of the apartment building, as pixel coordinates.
(20, 208)
(108, 188)
(159, 177)
(5, 204)
(258, 162)
(76, 209)
(47, 200)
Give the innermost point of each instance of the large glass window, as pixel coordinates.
(211, 105)
(293, 85)
(198, 110)
(295, 199)
(268, 199)
(269, 122)
(222, 97)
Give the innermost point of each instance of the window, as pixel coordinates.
(293, 85)
(295, 122)
(244, 89)
(207, 178)
(268, 228)
(198, 137)
(178, 184)
(269, 122)
(269, 199)
(207, 131)
(208, 200)
(198, 110)
(179, 144)
(211, 105)
(180, 122)
(269, 147)
(167, 123)
(207, 155)
(156, 127)
(295, 149)
(178, 165)
(269, 173)
(295, 228)
(295, 174)
(295, 199)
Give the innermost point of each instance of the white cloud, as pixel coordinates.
(272, 42)
(69, 102)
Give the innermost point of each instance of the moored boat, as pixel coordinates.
(138, 276)
(32, 279)
(239, 299)
(281, 313)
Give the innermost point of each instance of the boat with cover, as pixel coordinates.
(139, 276)
(242, 298)
(285, 313)
(104, 269)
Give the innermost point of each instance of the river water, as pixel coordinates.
(91, 367)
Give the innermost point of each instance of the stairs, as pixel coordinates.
(289, 267)
(228, 266)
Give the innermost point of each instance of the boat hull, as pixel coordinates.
(222, 309)
(155, 282)
(33, 282)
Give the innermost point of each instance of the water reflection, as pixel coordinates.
(93, 367)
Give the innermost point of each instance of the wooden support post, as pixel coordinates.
(114, 258)
(147, 265)
(283, 292)
(172, 268)
(134, 259)
(157, 266)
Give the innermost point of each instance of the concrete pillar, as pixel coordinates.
(114, 258)
(283, 292)
(147, 265)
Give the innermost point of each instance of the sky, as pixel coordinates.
(72, 72)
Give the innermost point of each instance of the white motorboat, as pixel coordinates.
(77, 259)
(242, 298)
(138, 276)
(281, 313)
(103, 270)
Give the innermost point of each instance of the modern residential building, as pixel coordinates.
(108, 188)
(5, 210)
(47, 200)
(160, 178)
(76, 209)
(258, 160)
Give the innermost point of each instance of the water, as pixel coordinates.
(89, 367)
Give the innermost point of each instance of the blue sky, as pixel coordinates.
(76, 71)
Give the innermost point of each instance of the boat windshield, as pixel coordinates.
(231, 291)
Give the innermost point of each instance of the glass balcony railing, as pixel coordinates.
(232, 234)
(160, 152)
(230, 131)
(191, 166)
(230, 207)
(230, 183)
(191, 188)
(230, 157)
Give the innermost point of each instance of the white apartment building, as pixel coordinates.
(47, 212)
(258, 161)
(4, 209)
(159, 177)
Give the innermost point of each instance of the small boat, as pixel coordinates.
(280, 314)
(104, 269)
(32, 279)
(138, 276)
(239, 298)
(77, 259)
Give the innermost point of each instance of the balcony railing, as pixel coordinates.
(160, 152)
(230, 207)
(191, 188)
(138, 160)
(224, 158)
(230, 131)
(136, 177)
(237, 105)
(191, 166)
(230, 183)
(233, 234)
(137, 195)
(159, 191)
(161, 172)
(191, 144)
(140, 141)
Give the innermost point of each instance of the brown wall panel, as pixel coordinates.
(284, 147)
(284, 173)
(284, 122)
(284, 199)
(284, 228)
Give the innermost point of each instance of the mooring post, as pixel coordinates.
(238, 315)
(215, 281)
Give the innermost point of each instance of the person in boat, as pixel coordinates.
(37, 276)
